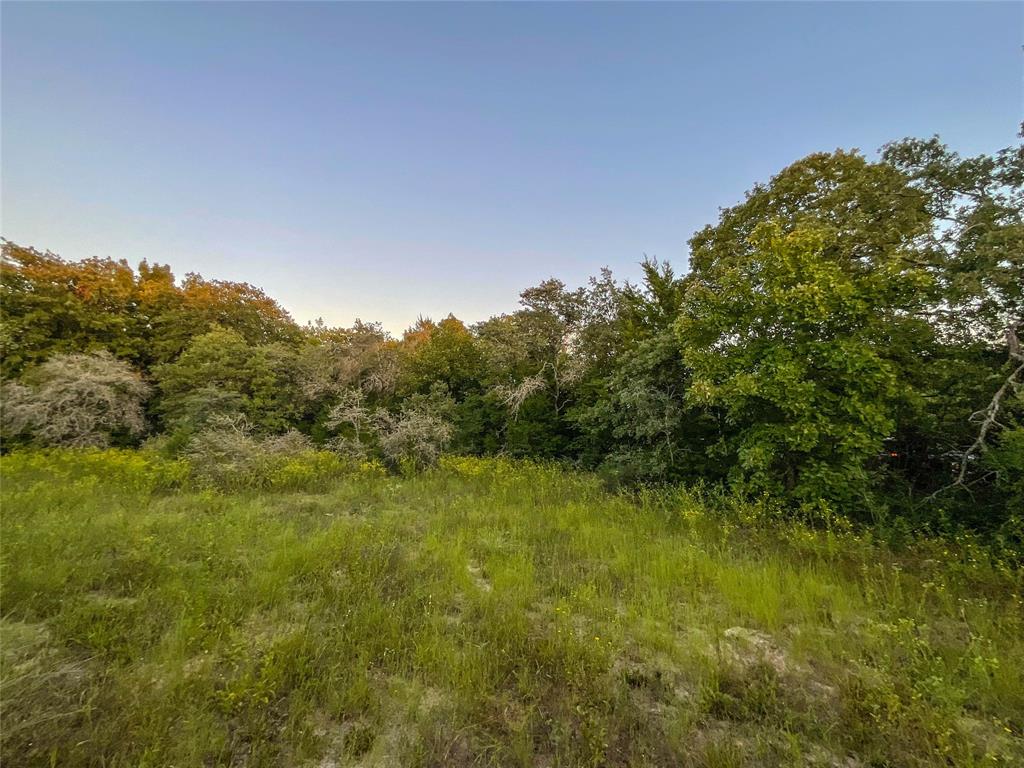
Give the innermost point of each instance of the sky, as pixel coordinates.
(389, 161)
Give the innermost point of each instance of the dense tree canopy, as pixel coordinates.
(792, 344)
(847, 338)
(51, 306)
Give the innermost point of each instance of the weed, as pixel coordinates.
(486, 612)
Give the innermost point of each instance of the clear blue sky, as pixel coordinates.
(390, 160)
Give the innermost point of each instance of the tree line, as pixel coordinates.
(846, 339)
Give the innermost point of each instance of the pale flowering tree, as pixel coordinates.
(77, 400)
(229, 453)
(414, 437)
(352, 414)
(553, 341)
(363, 356)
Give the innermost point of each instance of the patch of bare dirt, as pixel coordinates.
(476, 573)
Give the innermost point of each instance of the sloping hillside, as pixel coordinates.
(485, 613)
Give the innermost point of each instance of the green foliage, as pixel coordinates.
(50, 306)
(444, 353)
(220, 372)
(1007, 460)
(976, 246)
(848, 338)
(227, 455)
(651, 308)
(974, 253)
(871, 209)
(636, 424)
(642, 429)
(791, 345)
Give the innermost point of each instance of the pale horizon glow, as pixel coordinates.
(391, 161)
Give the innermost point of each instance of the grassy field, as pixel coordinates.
(485, 613)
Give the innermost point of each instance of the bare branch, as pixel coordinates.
(988, 416)
(513, 397)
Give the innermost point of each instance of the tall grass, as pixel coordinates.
(485, 613)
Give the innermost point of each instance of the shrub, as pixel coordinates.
(129, 470)
(77, 400)
(227, 455)
(309, 469)
(413, 439)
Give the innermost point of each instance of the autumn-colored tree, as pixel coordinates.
(444, 352)
(49, 306)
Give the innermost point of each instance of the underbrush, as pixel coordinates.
(275, 466)
(487, 612)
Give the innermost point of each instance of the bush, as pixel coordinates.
(77, 401)
(227, 455)
(414, 439)
(410, 440)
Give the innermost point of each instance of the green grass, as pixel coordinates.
(486, 613)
